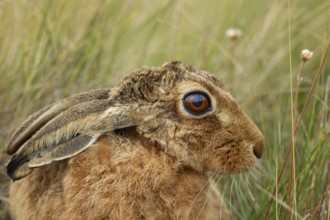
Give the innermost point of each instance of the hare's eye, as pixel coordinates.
(197, 103)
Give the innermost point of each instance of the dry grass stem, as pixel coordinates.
(297, 124)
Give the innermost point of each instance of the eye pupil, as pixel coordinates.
(197, 100)
(197, 103)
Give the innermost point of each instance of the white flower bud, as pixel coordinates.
(233, 34)
(306, 55)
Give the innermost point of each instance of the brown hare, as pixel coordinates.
(140, 150)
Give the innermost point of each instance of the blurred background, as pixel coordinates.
(52, 49)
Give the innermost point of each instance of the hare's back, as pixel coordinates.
(55, 188)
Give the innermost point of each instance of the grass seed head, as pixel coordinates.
(233, 34)
(306, 55)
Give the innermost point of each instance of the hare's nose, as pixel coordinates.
(258, 148)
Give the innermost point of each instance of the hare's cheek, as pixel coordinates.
(231, 159)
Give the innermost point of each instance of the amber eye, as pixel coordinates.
(197, 103)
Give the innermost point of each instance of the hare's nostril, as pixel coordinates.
(258, 148)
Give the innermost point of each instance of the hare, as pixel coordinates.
(140, 150)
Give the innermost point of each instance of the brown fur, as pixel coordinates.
(145, 156)
(103, 182)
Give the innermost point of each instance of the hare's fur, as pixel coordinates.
(116, 179)
(132, 152)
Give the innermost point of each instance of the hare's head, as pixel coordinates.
(183, 111)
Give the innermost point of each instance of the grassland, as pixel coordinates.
(52, 49)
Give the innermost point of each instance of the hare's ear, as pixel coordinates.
(40, 118)
(68, 134)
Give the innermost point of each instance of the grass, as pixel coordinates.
(52, 49)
